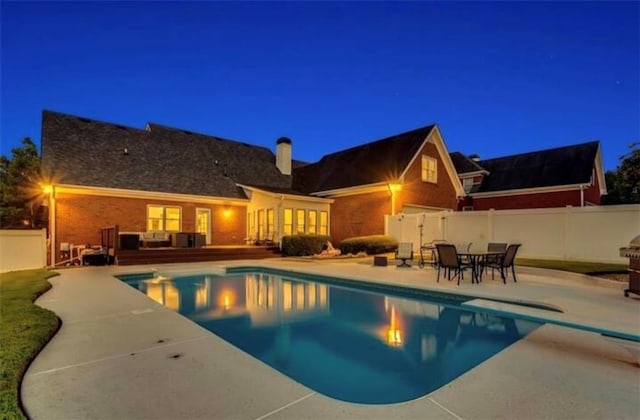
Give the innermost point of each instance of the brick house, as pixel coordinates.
(161, 180)
(564, 176)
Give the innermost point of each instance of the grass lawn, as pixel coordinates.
(573, 266)
(24, 330)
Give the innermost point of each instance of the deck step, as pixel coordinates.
(179, 255)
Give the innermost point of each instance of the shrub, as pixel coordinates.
(300, 245)
(374, 244)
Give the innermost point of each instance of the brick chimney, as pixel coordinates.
(283, 155)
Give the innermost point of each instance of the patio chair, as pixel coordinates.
(503, 263)
(448, 259)
(495, 247)
(431, 246)
(404, 253)
(492, 260)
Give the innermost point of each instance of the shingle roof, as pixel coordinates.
(464, 164)
(370, 163)
(569, 165)
(80, 151)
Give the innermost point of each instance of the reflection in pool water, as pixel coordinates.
(346, 343)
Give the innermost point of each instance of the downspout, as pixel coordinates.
(581, 195)
(393, 199)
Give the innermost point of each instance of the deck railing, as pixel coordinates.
(109, 241)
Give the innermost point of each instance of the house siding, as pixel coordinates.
(417, 192)
(359, 215)
(592, 194)
(363, 214)
(529, 201)
(79, 218)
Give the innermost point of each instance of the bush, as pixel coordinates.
(300, 245)
(374, 244)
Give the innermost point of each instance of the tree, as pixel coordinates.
(21, 195)
(623, 184)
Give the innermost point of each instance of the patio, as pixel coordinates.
(122, 355)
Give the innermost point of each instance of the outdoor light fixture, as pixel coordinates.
(47, 189)
(394, 187)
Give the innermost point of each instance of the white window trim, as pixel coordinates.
(425, 169)
(164, 217)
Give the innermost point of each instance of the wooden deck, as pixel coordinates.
(181, 255)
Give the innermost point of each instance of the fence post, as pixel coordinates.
(565, 233)
(443, 225)
(490, 234)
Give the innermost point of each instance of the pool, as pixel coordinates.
(350, 343)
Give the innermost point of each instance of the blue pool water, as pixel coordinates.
(348, 343)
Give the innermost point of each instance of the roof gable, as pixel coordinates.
(81, 151)
(370, 163)
(569, 165)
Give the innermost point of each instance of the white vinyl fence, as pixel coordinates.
(569, 233)
(22, 249)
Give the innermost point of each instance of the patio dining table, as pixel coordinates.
(475, 258)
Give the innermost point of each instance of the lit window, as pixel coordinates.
(270, 223)
(313, 220)
(324, 223)
(300, 221)
(260, 224)
(429, 169)
(163, 219)
(287, 226)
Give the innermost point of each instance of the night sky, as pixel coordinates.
(498, 78)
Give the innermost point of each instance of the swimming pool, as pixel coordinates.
(349, 343)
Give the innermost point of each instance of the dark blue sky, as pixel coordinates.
(498, 78)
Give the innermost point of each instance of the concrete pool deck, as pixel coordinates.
(120, 355)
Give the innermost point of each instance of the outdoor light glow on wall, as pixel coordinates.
(226, 213)
(393, 189)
